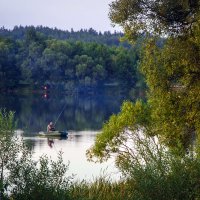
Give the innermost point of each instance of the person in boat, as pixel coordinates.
(50, 127)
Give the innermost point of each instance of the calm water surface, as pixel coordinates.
(74, 149)
(81, 115)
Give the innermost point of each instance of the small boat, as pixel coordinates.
(53, 134)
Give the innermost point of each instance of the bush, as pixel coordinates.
(23, 178)
(44, 180)
(156, 173)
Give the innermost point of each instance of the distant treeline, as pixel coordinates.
(84, 35)
(34, 57)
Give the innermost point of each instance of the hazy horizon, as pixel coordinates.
(62, 14)
(10, 29)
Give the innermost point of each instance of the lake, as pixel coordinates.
(81, 115)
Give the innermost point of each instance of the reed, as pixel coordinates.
(98, 189)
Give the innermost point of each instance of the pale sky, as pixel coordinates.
(63, 14)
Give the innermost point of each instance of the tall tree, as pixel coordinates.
(172, 75)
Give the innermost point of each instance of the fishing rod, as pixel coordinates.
(60, 114)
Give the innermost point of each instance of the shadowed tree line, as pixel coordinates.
(34, 57)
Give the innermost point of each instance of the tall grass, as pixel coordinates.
(100, 188)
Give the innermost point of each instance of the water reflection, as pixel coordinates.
(82, 112)
(74, 149)
(82, 117)
(50, 142)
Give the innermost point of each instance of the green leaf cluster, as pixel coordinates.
(172, 75)
(117, 130)
(43, 179)
(156, 17)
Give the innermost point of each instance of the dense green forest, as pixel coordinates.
(65, 60)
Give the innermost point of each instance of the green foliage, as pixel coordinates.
(157, 173)
(9, 71)
(155, 17)
(21, 176)
(151, 171)
(8, 149)
(172, 74)
(86, 35)
(45, 179)
(117, 131)
(100, 188)
(37, 60)
(6, 123)
(172, 70)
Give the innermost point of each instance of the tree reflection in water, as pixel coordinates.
(82, 112)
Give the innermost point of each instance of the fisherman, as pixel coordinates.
(50, 127)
